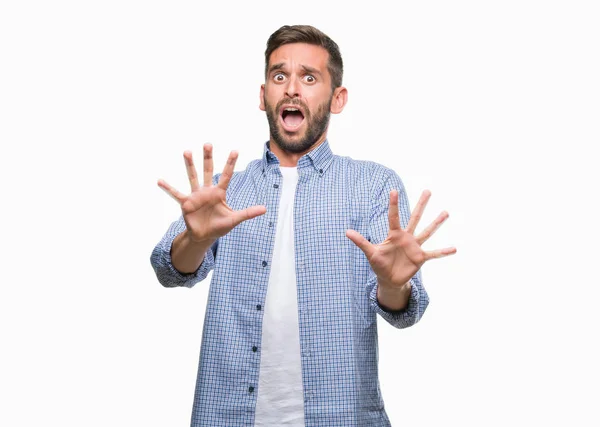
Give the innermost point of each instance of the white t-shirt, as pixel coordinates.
(280, 400)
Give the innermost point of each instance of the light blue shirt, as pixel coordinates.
(337, 290)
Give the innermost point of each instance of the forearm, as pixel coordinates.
(187, 255)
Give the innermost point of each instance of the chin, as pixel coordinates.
(297, 145)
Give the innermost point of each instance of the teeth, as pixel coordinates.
(291, 109)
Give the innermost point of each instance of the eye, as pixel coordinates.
(279, 77)
(309, 78)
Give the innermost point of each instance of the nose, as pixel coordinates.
(293, 88)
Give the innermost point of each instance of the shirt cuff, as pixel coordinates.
(170, 277)
(400, 318)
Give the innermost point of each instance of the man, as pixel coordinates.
(306, 247)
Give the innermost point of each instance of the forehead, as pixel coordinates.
(295, 55)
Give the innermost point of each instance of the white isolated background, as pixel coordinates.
(493, 106)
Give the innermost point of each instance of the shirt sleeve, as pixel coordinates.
(160, 259)
(379, 228)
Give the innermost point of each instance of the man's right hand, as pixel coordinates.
(205, 212)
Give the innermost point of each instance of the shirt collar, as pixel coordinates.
(319, 158)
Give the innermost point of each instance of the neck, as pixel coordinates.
(289, 159)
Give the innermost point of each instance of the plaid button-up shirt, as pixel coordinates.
(337, 304)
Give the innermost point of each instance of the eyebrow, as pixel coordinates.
(276, 67)
(311, 70)
(306, 68)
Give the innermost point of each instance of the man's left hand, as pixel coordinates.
(400, 255)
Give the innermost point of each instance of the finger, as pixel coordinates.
(367, 247)
(208, 165)
(432, 228)
(440, 253)
(248, 213)
(417, 213)
(393, 215)
(228, 170)
(191, 170)
(179, 197)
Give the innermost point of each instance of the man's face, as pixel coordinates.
(297, 96)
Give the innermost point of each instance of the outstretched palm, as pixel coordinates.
(400, 255)
(205, 211)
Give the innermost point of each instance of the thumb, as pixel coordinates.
(248, 213)
(367, 247)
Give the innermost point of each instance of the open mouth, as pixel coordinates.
(291, 117)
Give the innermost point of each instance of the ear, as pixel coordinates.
(262, 98)
(339, 99)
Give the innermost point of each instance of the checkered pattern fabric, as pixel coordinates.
(337, 303)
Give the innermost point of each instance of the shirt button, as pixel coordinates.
(250, 389)
(264, 263)
(275, 185)
(270, 223)
(258, 307)
(254, 349)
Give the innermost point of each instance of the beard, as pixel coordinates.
(316, 125)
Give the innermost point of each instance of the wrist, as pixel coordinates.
(186, 254)
(189, 239)
(393, 297)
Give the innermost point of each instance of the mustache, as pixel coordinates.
(292, 101)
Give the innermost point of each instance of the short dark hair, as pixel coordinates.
(308, 34)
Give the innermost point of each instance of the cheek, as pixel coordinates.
(271, 99)
(317, 97)
(316, 105)
(273, 91)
